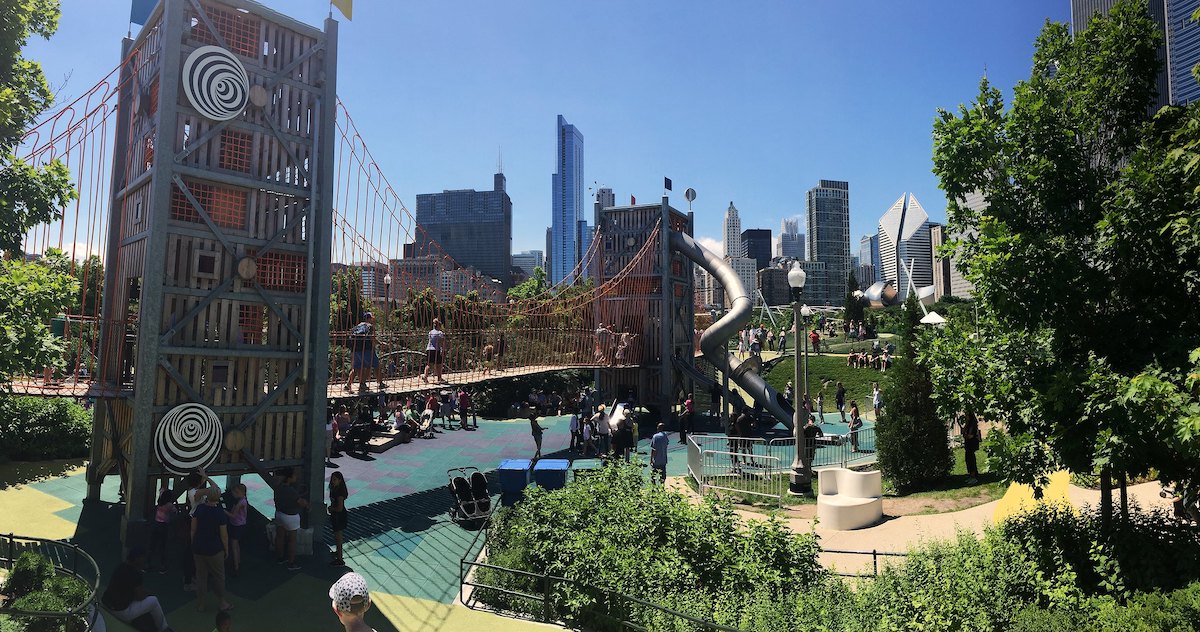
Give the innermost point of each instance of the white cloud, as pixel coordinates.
(715, 245)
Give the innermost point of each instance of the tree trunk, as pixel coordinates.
(1106, 505)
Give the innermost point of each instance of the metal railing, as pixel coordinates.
(546, 590)
(743, 472)
(874, 553)
(68, 559)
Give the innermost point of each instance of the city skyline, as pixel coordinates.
(776, 58)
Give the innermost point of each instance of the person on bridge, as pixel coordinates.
(489, 358)
(603, 336)
(435, 353)
(363, 360)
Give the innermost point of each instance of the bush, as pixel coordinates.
(610, 530)
(1148, 612)
(33, 585)
(40, 428)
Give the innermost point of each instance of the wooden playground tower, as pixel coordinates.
(216, 303)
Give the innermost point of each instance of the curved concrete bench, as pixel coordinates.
(849, 500)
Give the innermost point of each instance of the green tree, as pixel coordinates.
(1087, 254)
(347, 302)
(914, 447)
(31, 293)
(854, 306)
(534, 286)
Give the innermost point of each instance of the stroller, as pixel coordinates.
(469, 489)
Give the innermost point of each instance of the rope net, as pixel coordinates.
(486, 333)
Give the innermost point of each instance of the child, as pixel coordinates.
(589, 443)
(164, 513)
(237, 514)
(224, 622)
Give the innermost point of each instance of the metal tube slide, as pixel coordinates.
(714, 341)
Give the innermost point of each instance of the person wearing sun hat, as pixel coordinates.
(351, 600)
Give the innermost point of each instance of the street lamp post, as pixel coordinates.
(799, 483)
(387, 294)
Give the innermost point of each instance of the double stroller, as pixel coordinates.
(469, 489)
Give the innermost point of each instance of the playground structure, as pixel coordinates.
(231, 228)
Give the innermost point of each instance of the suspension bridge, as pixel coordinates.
(231, 227)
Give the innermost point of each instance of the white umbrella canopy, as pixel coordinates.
(933, 318)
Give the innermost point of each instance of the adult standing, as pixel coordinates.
(574, 428)
(810, 434)
(603, 429)
(876, 399)
(745, 432)
(840, 399)
(210, 541)
(434, 352)
(658, 455)
(464, 408)
(126, 597)
(537, 431)
(287, 516)
(970, 436)
(856, 424)
(815, 339)
(714, 400)
(363, 359)
(338, 517)
(627, 436)
(686, 419)
(196, 482)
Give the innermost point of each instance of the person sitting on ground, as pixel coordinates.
(351, 600)
(126, 596)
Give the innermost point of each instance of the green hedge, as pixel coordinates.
(1049, 569)
(40, 428)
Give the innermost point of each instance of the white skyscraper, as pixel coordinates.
(790, 242)
(732, 235)
(904, 236)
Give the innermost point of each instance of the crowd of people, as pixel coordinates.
(879, 357)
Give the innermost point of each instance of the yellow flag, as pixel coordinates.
(345, 6)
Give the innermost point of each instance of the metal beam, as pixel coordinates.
(180, 227)
(179, 379)
(278, 297)
(195, 311)
(242, 181)
(247, 352)
(203, 213)
(274, 395)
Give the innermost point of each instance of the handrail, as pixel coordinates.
(8, 557)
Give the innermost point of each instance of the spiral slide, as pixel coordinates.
(714, 342)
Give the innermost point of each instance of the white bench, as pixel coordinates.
(849, 500)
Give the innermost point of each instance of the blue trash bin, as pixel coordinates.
(514, 477)
(551, 473)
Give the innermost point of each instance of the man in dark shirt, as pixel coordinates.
(126, 597)
(744, 426)
(810, 433)
(287, 516)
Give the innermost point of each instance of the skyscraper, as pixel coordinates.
(757, 244)
(732, 234)
(1183, 50)
(904, 237)
(567, 186)
(473, 227)
(829, 237)
(868, 261)
(528, 260)
(790, 243)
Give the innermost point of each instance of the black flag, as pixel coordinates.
(667, 183)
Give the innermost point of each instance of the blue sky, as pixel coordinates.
(746, 101)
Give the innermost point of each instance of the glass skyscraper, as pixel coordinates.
(472, 227)
(1183, 50)
(829, 238)
(567, 184)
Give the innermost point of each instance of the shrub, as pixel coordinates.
(39, 428)
(33, 585)
(611, 530)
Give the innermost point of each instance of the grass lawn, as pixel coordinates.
(954, 491)
(830, 370)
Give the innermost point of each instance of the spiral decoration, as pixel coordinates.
(188, 437)
(215, 83)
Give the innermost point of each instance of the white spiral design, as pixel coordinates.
(187, 438)
(215, 83)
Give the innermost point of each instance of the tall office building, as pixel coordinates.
(829, 236)
(528, 260)
(732, 234)
(473, 227)
(904, 236)
(746, 271)
(790, 243)
(1183, 50)
(868, 261)
(567, 186)
(757, 244)
(605, 198)
(1083, 11)
(548, 251)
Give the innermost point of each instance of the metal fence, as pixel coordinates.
(744, 472)
(68, 559)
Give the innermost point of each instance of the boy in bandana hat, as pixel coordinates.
(351, 600)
